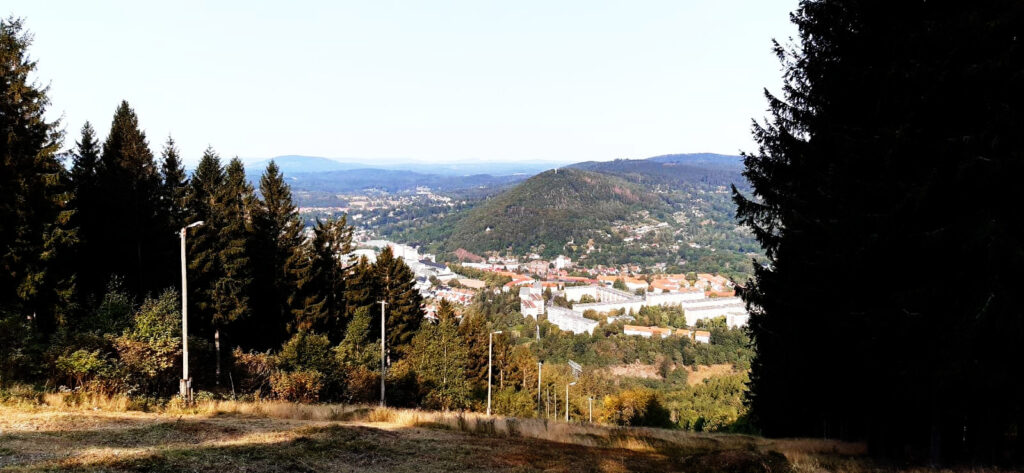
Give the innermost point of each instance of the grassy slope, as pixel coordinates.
(228, 436)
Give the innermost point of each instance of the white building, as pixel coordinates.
(733, 308)
(566, 319)
(562, 262)
(531, 301)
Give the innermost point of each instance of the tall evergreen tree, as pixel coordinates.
(173, 186)
(35, 228)
(131, 233)
(203, 242)
(324, 302)
(88, 215)
(277, 240)
(396, 283)
(232, 219)
(888, 164)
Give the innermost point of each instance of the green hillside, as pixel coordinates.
(636, 211)
(550, 209)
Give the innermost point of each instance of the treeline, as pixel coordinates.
(91, 260)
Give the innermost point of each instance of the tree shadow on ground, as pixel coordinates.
(199, 446)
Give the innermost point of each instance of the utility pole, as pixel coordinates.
(490, 351)
(185, 386)
(382, 366)
(567, 400)
(540, 366)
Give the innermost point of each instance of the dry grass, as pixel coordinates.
(96, 433)
(697, 374)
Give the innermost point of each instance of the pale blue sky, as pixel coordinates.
(426, 81)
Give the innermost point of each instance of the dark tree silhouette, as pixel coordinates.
(883, 195)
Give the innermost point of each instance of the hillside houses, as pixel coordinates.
(531, 301)
(699, 336)
(694, 302)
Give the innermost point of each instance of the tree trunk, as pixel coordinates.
(216, 345)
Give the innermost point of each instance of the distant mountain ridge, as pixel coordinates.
(294, 164)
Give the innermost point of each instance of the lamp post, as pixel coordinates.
(540, 368)
(382, 366)
(567, 399)
(185, 386)
(490, 353)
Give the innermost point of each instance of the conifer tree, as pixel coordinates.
(396, 283)
(173, 186)
(35, 228)
(324, 302)
(440, 357)
(131, 233)
(88, 215)
(231, 217)
(279, 261)
(203, 242)
(896, 120)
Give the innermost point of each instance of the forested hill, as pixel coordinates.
(675, 169)
(549, 209)
(673, 209)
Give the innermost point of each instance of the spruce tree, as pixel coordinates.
(231, 217)
(173, 187)
(35, 227)
(132, 233)
(278, 259)
(204, 242)
(396, 283)
(324, 302)
(886, 172)
(88, 215)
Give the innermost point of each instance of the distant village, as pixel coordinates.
(611, 294)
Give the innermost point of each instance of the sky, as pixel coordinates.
(439, 81)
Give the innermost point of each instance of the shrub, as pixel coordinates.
(84, 367)
(297, 386)
(307, 351)
(636, 407)
(363, 385)
(253, 370)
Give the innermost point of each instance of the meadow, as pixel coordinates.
(84, 432)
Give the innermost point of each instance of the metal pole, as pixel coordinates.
(567, 403)
(540, 366)
(185, 385)
(590, 402)
(490, 348)
(382, 366)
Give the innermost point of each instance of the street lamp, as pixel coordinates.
(185, 386)
(382, 366)
(567, 399)
(490, 353)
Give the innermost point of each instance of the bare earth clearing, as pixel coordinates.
(262, 437)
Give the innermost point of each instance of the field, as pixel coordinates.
(52, 433)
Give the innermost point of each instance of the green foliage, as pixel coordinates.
(636, 407)
(297, 386)
(439, 357)
(714, 405)
(307, 351)
(149, 351)
(36, 231)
